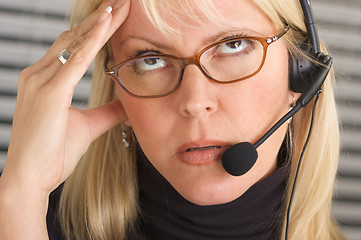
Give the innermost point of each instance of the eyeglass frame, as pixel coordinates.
(265, 41)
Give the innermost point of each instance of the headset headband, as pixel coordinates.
(310, 25)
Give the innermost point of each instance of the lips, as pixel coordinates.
(202, 148)
(202, 152)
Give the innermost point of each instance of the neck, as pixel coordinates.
(165, 214)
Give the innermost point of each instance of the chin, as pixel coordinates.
(213, 191)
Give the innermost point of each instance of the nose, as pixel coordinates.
(197, 95)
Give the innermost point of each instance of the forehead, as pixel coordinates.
(229, 15)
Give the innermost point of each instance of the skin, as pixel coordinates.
(201, 110)
(49, 136)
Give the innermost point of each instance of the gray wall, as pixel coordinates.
(28, 27)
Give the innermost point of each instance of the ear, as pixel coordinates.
(127, 123)
(292, 97)
(116, 97)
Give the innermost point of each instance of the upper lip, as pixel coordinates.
(202, 144)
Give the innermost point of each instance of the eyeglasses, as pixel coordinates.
(227, 61)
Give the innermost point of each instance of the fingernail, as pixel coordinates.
(118, 4)
(108, 10)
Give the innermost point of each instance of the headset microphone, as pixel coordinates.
(241, 157)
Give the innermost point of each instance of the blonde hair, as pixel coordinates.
(99, 200)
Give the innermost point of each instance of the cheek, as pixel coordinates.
(146, 117)
(136, 109)
(273, 78)
(264, 98)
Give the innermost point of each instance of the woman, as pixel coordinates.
(169, 183)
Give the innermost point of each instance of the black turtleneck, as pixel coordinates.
(165, 214)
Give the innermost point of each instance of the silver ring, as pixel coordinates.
(63, 56)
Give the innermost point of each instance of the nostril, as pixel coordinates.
(196, 109)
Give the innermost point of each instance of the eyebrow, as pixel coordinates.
(218, 36)
(154, 43)
(205, 42)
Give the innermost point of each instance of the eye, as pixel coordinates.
(233, 46)
(149, 64)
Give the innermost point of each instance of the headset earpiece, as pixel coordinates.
(307, 76)
(303, 69)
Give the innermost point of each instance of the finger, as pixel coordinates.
(46, 74)
(30, 81)
(66, 39)
(81, 58)
(103, 118)
(119, 14)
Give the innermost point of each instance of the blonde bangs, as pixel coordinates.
(163, 12)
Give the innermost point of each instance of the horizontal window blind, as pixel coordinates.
(29, 27)
(340, 28)
(27, 30)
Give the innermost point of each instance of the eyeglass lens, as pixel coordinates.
(157, 75)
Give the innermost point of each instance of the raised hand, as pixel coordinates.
(49, 136)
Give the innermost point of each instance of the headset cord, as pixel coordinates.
(299, 164)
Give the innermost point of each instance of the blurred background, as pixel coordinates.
(29, 27)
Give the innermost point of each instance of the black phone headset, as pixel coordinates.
(307, 75)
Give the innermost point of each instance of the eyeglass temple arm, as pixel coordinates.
(106, 70)
(279, 35)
